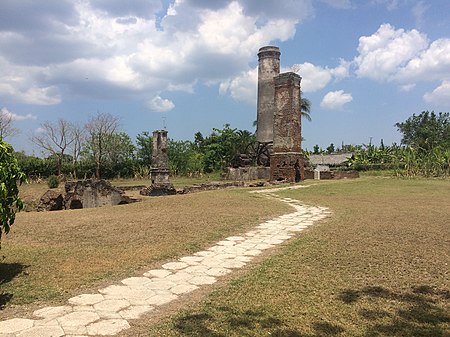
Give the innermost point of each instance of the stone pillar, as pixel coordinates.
(160, 158)
(268, 68)
(286, 162)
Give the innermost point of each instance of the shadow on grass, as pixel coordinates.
(8, 271)
(224, 321)
(419, 312)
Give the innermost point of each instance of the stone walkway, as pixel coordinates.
(111, 309)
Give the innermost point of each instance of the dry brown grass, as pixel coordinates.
(51, 256)
(380, 266)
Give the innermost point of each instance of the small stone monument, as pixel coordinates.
(160, 167)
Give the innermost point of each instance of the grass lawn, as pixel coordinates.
(49, 257)
(380, 266)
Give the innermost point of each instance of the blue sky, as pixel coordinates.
(191, 64)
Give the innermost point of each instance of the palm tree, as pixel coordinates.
(305, 109)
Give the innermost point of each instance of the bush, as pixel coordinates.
(53, 181)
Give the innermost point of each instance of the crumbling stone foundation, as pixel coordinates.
(88, 193)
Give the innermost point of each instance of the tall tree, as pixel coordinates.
(79, 135)
(144, 144)
(99, 128)
(55, 139)
(426, 131)
(6, 124)
(10, 175)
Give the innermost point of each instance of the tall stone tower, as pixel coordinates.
(286, 162)
(268, 68)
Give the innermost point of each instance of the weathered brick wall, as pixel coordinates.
(286, 162)
(160, 158)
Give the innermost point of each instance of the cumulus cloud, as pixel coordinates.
(407, 58)
(335, 100)
(316, 77)
(105, 48)
(385, 52)
(243, 87)
(159, 104)
(16, 117)
(440, 95)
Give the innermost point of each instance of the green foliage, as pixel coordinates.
(10, 176)
(144, 148)
(52, 181)
(330, 148)
(426, 131)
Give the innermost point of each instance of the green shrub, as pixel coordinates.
(53, 181)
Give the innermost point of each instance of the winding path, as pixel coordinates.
(111, 309)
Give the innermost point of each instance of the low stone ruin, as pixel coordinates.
(88, 193)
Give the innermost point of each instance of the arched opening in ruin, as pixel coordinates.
(76, 204)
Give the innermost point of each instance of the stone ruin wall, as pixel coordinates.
(286, 162)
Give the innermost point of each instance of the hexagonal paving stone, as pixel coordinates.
(162, 283)
(43, 331)
(52, 312)
(136, 281)
(232, 264)
(161, 299)
(179, 277)
(200, 280)
(192, 260)
(158, 273)
(183, 288)
(80, 318)
(15, 325)
(108, 327)
(112, 305)
(86, 299)
(174, 265)
(134, 312)
(217, 271)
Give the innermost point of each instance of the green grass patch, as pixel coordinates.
(380, 266)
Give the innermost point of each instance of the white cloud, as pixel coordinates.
(440, 95)
(16, 117)
(335, 100)
(243, 87)
(385, 52)
(159, 104)
(316, 77)
(103, 49)
(432, 63)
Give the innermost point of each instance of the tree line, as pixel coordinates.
(100, 149)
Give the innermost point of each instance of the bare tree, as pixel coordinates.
(99, 128)
(79, 135)
(55, 138)
(6, 124)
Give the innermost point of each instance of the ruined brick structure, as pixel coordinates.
(268, 68)
(160, 167)
(160, 158)
(286, 162)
